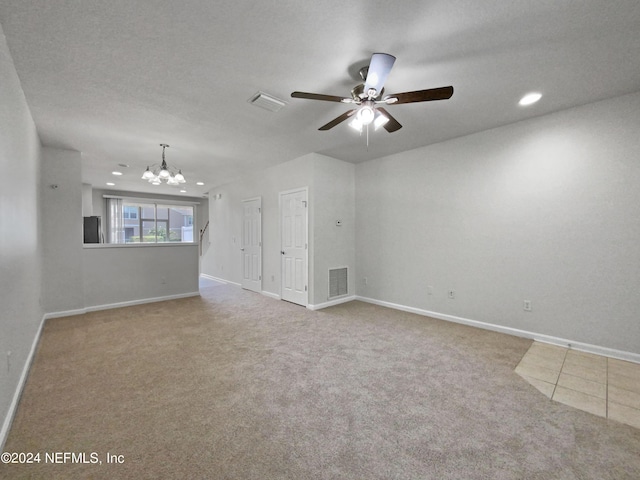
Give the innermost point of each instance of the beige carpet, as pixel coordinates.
(235, 385)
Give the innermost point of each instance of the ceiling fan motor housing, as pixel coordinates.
(359, 94)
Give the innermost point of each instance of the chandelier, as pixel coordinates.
(156, 174)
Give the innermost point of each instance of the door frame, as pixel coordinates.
(253, 199)
(306, 270)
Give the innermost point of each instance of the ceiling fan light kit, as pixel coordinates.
(368, 96)
(365, 112)
(365, 116)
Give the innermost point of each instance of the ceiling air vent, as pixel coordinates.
(266, 101)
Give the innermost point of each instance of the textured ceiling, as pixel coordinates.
(114, 79)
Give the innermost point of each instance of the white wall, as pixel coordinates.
(62, 236)
(546, 210)
(331, 197)
(20, 252)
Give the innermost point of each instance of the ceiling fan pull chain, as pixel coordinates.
(367, 138)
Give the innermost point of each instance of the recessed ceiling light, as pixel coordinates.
(200, 183)
(111, 184)
(116, 173)
(530, 98)
(123, 165)
(183, 191)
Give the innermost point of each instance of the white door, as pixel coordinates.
(252, 244)
(293, 220)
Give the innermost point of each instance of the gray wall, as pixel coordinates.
(20, 247)
(124, 274)
(546, 210)
(62, 230)
(223, 258)
(331, 198)
(77, 278)
(333, 246)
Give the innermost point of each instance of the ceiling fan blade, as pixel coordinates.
(379, 68)
(320, 96)
(392, 125)
(442, 93)
(338, 120)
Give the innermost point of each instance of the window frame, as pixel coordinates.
(140, 218)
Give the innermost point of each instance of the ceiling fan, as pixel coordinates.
(369, 95)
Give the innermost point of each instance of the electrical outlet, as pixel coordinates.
(273, 278)
(429, 290)
(8, 361)
(527, 305)
(365, 281)
(163, 281)
(451, 293)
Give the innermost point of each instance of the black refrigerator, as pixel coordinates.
(92, 230)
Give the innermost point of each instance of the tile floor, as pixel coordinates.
(600, 385)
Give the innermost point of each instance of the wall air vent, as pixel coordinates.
(337, 282)
(268, 102)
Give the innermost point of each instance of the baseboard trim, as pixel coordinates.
(211, 277)
(538, 337)
(108, 306)
(263, 292)
(331, 303)
(271, 295)
(13, 406)
(222, 280)
(66, 313)
(587, 347)
(141, 301)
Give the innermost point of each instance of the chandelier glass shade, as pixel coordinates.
(158, 173)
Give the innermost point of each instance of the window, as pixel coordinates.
(130, 212)
(133, 221)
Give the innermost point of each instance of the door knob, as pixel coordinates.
(282, 252)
